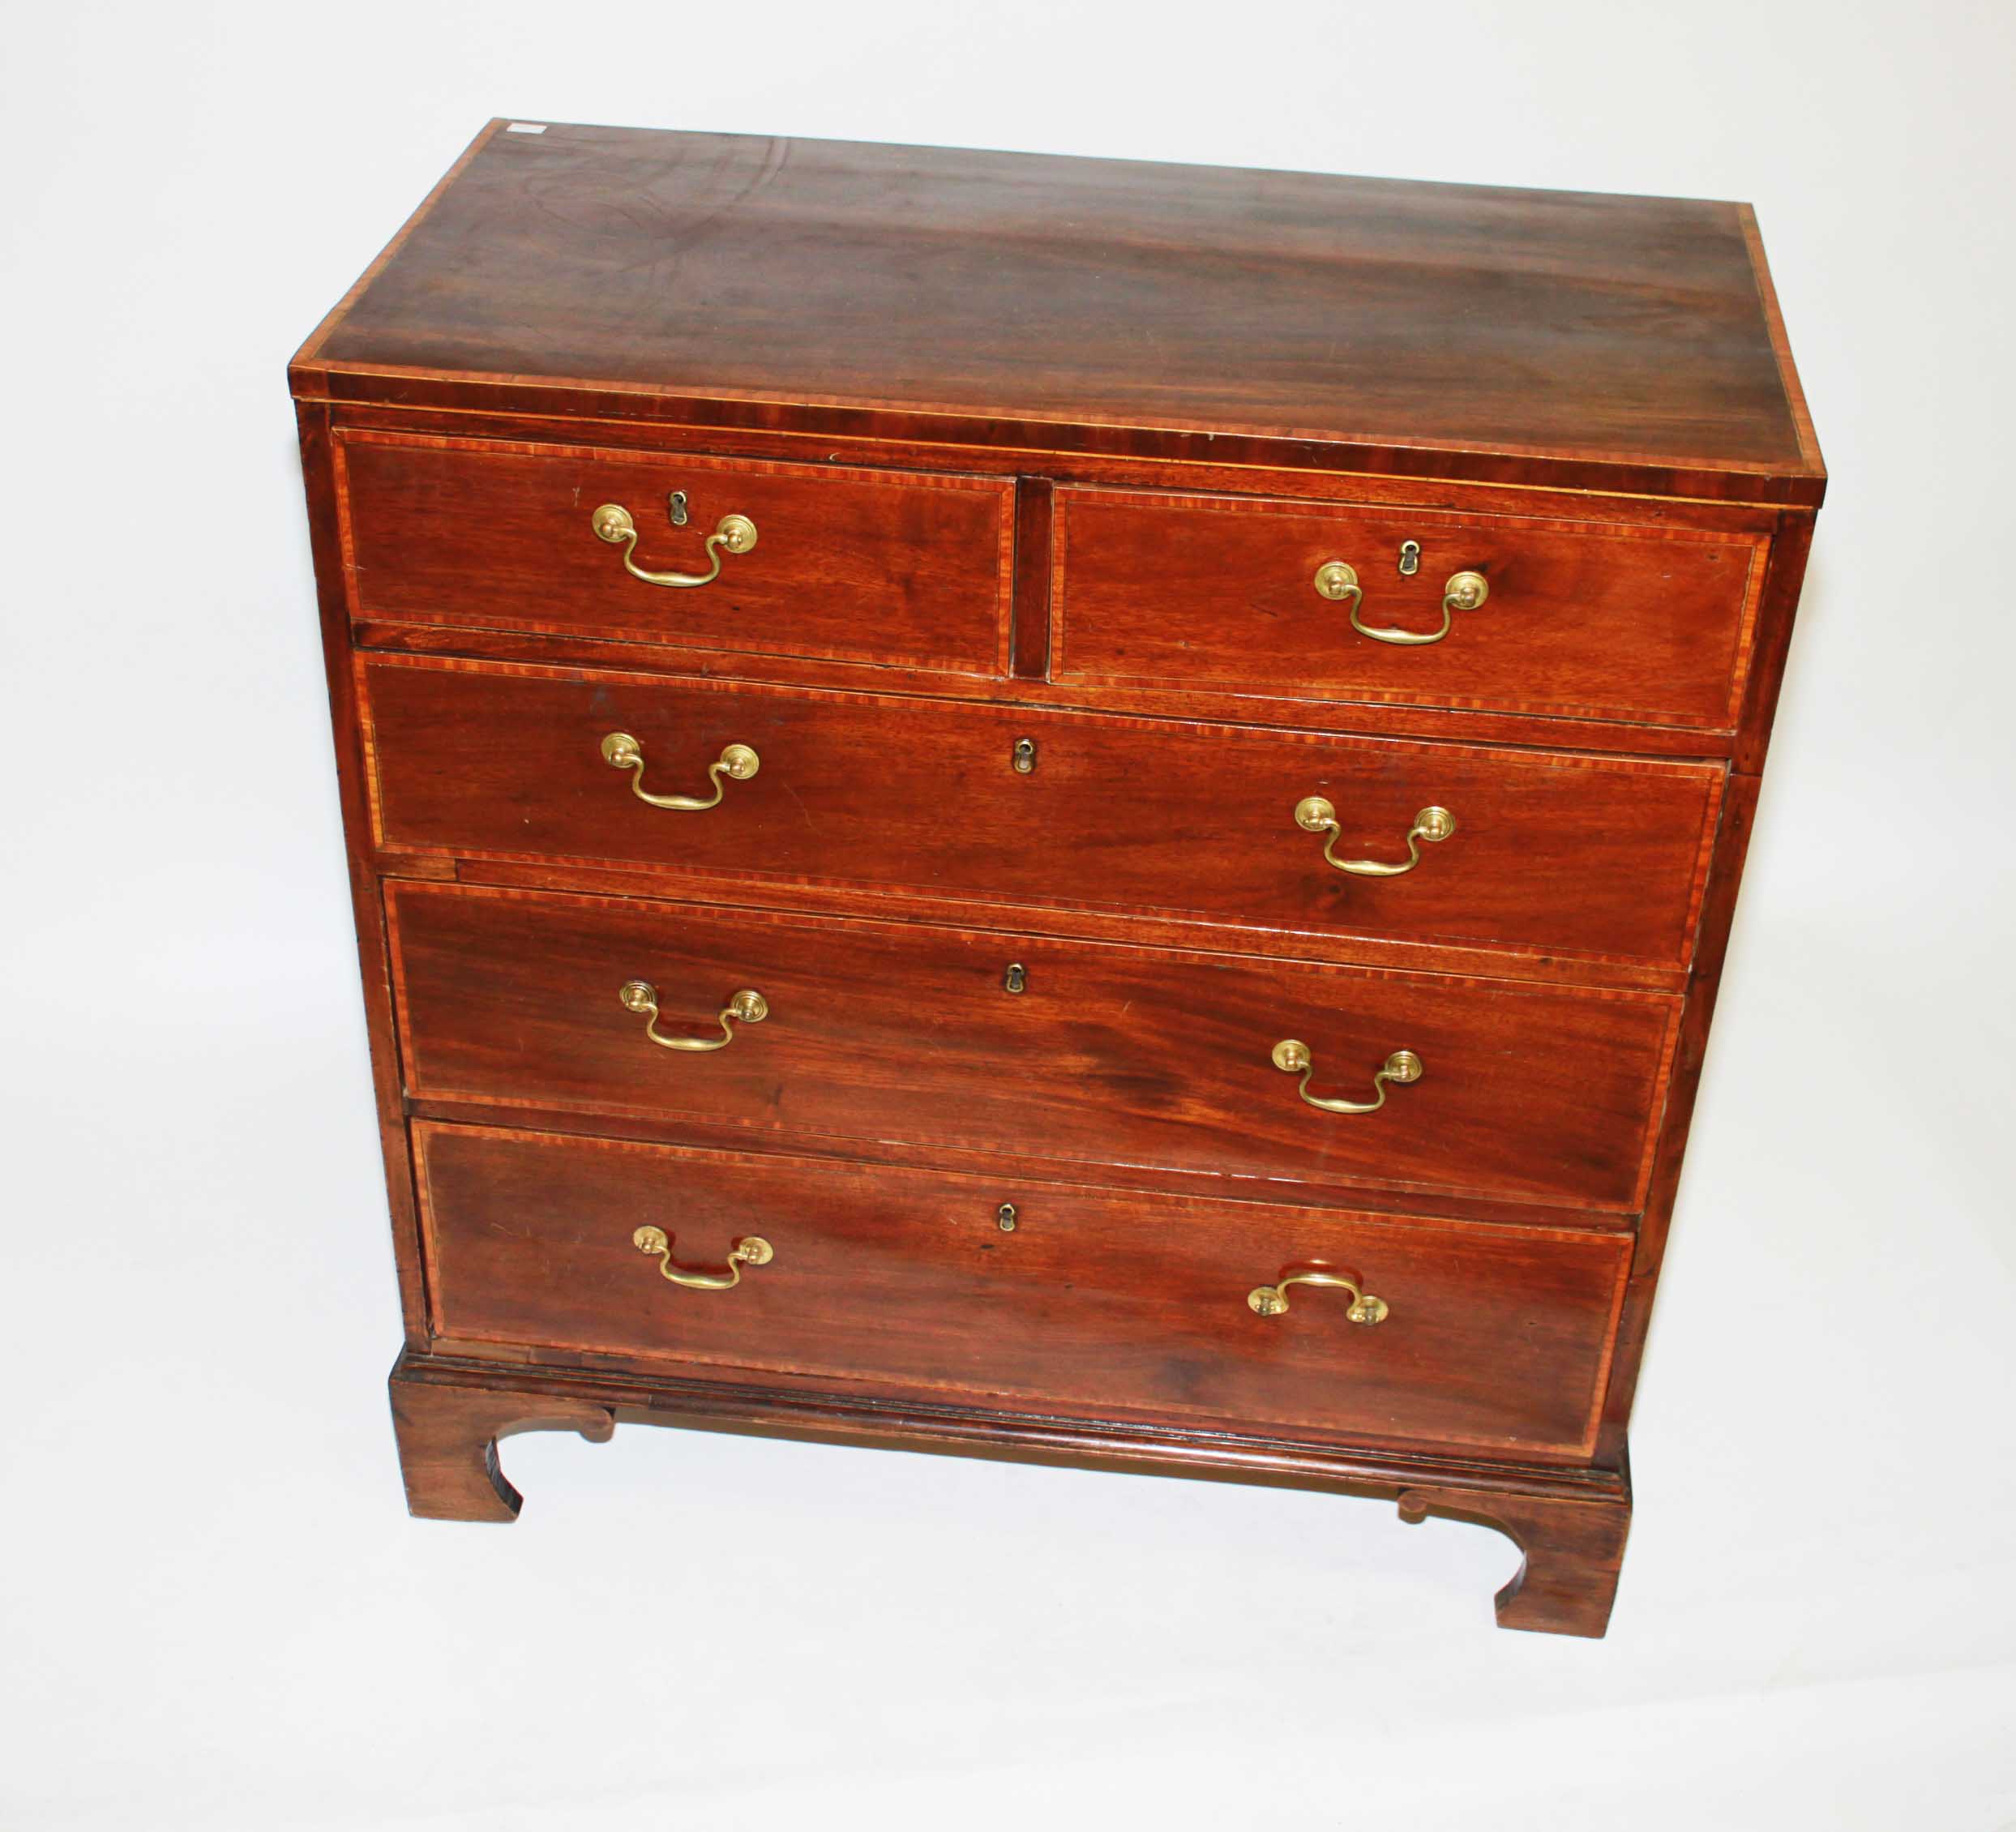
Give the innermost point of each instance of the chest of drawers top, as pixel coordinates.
(1104, 307)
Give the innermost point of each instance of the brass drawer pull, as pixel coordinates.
(641, 996)
(751, 1250)
(621, 751)
(1463, 591)
(1314, 814)
(1271, 1300)
(734, 534)
(1293, 1055)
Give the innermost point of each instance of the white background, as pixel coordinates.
(216, 1613)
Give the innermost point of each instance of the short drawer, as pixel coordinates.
(1092, 1053)
(903, 568)
(1093, 1302)
(1553, 853)
(1651, 625)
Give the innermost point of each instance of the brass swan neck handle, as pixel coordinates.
(1271, 1300)
(1291, 1055)
(1314, 814)
(614, 523)
(737, 764)
(640, 996)
(1337, 580)
(751, 1250)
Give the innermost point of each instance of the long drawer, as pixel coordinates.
(1084, 1301)
(1566, 855)
(1305, 601)
(906, 567)
(1080, 1052)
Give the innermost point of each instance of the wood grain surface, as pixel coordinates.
(1108, 1055)
(1089, 294)
(1583, 620)
(1043, 454)
(1569, 1523)
(849, 564)
(1091, 1303)
(1551, 853)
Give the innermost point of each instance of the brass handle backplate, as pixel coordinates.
(751, 1250)
(1271, 1300)
(737, 762)
(1292, 1055)
(641, 996)
(614, 523)
(1462, 591)
(1314, 814)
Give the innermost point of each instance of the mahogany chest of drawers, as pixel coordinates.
(1048, 808)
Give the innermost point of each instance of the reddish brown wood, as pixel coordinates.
(1263, 710)
(900, 1032)
(1032, 579)
(1620, 514)
(305, 379)
(352, 776)
(1732, 845)
(1782, 588)
(1576, 338)
(1032, 1166)
(849, 565)
(1572, 1551)
(895, 793)
(1572, 1522)
(1584, 620)
(720, 422)
(1211, 471)
(1094, 1303)
(730, 889)
(448, 1442)
(1053, 497)
(1781, 344)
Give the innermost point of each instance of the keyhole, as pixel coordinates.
(1014, 979)
(1410, 559)
(677, 505)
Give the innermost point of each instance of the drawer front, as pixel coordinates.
(1652, 626)
(849, 565)
(1601, 858)
(1094, 1303)
(1108, 1055)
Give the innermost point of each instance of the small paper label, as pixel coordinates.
(526, 127)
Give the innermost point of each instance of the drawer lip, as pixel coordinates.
(1660, 1061)
(1117, 1179)
(478, 449)
(1726, 720)
(1218, 1210)
(1323, 751)
(1055, 921)
(1430, 463)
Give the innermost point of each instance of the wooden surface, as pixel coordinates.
(1571, 1553)
(448, 1445)
(1570, 1525)
(1279, 701)
(317, 464)
(1093, 1302)
(1049, 449)
(1110, 1055)
(1523, 330)
(850, 565)
(1127, 814)
(1600, 622)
